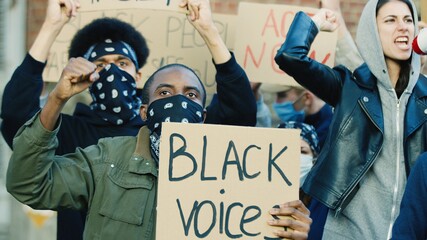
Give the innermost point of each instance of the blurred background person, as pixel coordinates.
(293, 103)
(309, 146)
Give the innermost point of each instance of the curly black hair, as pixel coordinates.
(109, 28)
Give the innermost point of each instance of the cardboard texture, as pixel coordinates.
(96, 5)
(219, 182)
(170, 38)
(262, 29)
(423, 7)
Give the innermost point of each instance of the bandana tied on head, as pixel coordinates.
(114, 96)
(109, 47)
(177, 108)
(308, 134)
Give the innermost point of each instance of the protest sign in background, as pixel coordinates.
(423, 10)
(96, 5)
(261, 30)
(219, 182)
(170, 38)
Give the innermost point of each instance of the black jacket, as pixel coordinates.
(356, 134)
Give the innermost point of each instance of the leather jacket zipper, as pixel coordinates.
(357, 180)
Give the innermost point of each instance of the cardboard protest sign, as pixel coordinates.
(170, 38)
(96, 5)
(219, 182)
(261, 30)
(423, 10)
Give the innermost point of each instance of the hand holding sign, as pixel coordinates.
(200, 16)
(218, 181)
(58, 13)
(67, 7)
(297, 219)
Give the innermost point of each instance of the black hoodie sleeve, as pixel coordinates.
(234, 103)
(21, 97)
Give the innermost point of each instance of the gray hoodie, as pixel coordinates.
(372, 211)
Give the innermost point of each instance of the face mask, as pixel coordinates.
(306, 162)
(177, 108)
(286, 112)
(114, 96)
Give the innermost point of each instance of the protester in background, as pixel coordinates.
(294, 103)
(378, 129)
(309, 146)
(263, 114)
(115, 107)
(116, 180)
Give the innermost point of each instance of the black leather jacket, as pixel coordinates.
(355, 136)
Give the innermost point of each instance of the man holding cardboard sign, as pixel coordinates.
(102, 42)
(116, 179)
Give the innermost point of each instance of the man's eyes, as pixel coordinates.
(192, 95)
(119, 64)
(123, 64)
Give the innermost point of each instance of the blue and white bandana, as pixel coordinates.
(109, 47)
(177, 108)
(308, 134)
(114, 96)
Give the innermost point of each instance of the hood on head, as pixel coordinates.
(370, 48)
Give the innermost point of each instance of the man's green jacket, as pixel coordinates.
(115, 180)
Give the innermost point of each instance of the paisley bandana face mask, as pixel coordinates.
(114, 96)
(177, 108)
